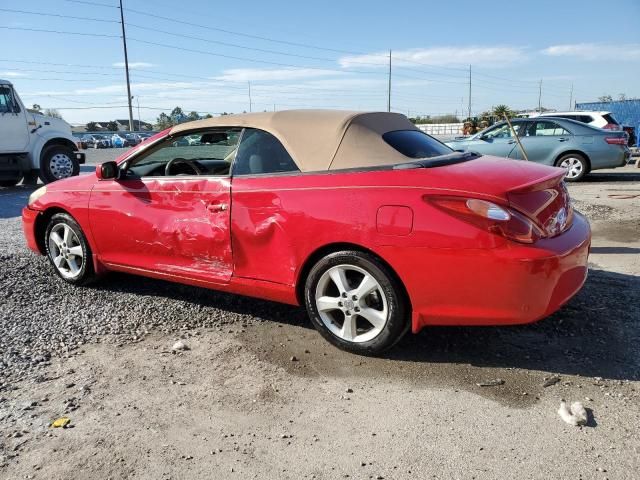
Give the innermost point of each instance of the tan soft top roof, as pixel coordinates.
(322, 139)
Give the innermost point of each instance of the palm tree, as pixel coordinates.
(499, 111)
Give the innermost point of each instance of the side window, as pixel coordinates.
(546, 128)
(260, 152)
(5, 99)
(203, 153)
(502, 131)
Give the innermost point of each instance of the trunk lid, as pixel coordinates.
(537, 191)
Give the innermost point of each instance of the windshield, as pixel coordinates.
(415, 144)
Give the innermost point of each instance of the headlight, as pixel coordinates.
(37, 194)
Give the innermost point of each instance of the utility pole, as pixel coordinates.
(139, 120)
(540, 97)
(571, 98)
(126, 67)
(469, 91)
(250, 106)
(389, 87)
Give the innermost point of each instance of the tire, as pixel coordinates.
(383, 300)
(58, 162)
(576, 165)
(75, 268)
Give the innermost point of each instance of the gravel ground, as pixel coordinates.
(260, 395)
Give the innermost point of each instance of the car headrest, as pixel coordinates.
(214, 137)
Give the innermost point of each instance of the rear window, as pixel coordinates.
(609, 118)
(415, 144)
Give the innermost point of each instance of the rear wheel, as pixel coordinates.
(356, 303)
(575, 165)
(68, 250)
(58, 162)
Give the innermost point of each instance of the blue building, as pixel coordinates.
(627, 112)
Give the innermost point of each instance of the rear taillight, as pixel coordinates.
(489, 216)
(616, 140)
(611, 126)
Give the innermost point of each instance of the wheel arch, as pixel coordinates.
(327, 249)
(41, 223)
(574, 151)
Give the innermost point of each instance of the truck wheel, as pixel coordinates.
(58, 162)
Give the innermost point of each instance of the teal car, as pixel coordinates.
(575, 146)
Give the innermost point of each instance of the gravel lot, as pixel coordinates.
(235, 405)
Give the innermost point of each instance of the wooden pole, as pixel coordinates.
(515, 135)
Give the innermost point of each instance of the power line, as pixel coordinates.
(89, 19)
(59, 32)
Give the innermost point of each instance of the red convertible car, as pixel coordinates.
(374, 226)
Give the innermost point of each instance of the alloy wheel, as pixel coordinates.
(573, 166)
(351, 303)
(66, 251)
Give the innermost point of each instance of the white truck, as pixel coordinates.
(33, 145)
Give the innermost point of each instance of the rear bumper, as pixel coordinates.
(29, 228)
(503, 286)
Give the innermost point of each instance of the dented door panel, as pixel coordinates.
(176, 225)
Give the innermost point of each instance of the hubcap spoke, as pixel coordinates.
(56, 239)
(340, 279)
(67, 235)
(57, 261)
(326, 304)
(73, 266)
(375, 317)
(367, 285)
(76, 251)
(348, 331)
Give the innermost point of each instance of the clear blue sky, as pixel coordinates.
(318, 54)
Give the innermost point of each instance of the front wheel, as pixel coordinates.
(575, 165)
(68, 250)
(58, 162)
(356, 303)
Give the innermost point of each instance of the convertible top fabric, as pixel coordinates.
(322, 139)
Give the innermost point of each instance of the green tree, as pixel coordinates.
(177, 115)
(112, 126)
(208, 115)
(500, 111)
(606, 98)
(193, 116)
(91, 126)
(163, 121)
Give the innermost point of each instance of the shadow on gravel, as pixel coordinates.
(597, 334)
(622, 176)
(13, 199)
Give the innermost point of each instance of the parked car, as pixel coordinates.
(575, 146)
(121, 140)
(372, 225)
(98, 140)
(604, 120)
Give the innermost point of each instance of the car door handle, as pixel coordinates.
(511, 142)
(217, 207)
(563, 139)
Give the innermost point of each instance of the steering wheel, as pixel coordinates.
(175, 161)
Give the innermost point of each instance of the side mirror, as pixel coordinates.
(107, 170)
